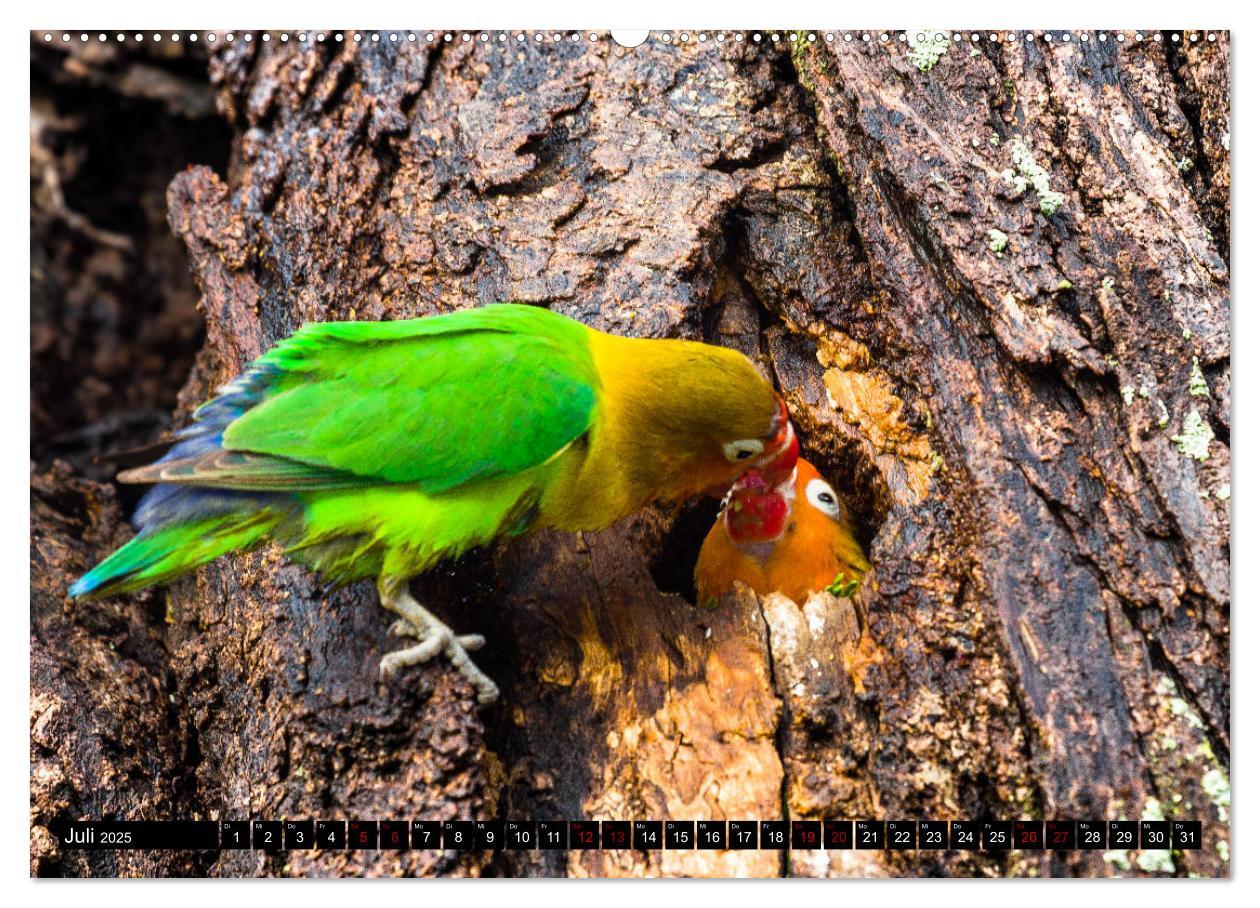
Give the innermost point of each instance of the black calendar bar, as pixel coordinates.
(642, 835)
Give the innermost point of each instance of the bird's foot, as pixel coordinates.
(435, 639)
(403, 628)
(440, 640)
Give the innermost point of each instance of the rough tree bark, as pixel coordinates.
(1003, 383)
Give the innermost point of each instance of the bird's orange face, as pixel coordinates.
(792, 536)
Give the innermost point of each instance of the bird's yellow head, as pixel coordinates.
(695, 417)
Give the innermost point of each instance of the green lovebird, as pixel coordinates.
(376, 449)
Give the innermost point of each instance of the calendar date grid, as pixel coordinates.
(639, 835)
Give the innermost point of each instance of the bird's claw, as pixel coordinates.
(404, 628)
(434, 639)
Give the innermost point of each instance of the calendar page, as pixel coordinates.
(676, 452)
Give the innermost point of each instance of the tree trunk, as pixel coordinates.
(1003, 384)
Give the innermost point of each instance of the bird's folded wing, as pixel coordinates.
(439, 402)
(242, 470)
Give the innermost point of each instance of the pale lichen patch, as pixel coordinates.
(927, 46)
(1156, 861)
(1216, 787)
(1027, 172)
(1198, 384)
(1119, 858)
(1176, 705)
(1196, 436)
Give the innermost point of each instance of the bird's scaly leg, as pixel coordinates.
(435, 637)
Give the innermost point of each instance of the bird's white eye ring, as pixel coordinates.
(823, 496)
(744, 449)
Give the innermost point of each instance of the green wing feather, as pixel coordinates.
(439, 401)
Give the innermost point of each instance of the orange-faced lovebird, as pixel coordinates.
(790, 535)
(377, 449)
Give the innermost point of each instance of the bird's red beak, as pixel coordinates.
(782, 451)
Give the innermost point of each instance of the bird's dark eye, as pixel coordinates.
(823, 497)
(744, 448)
